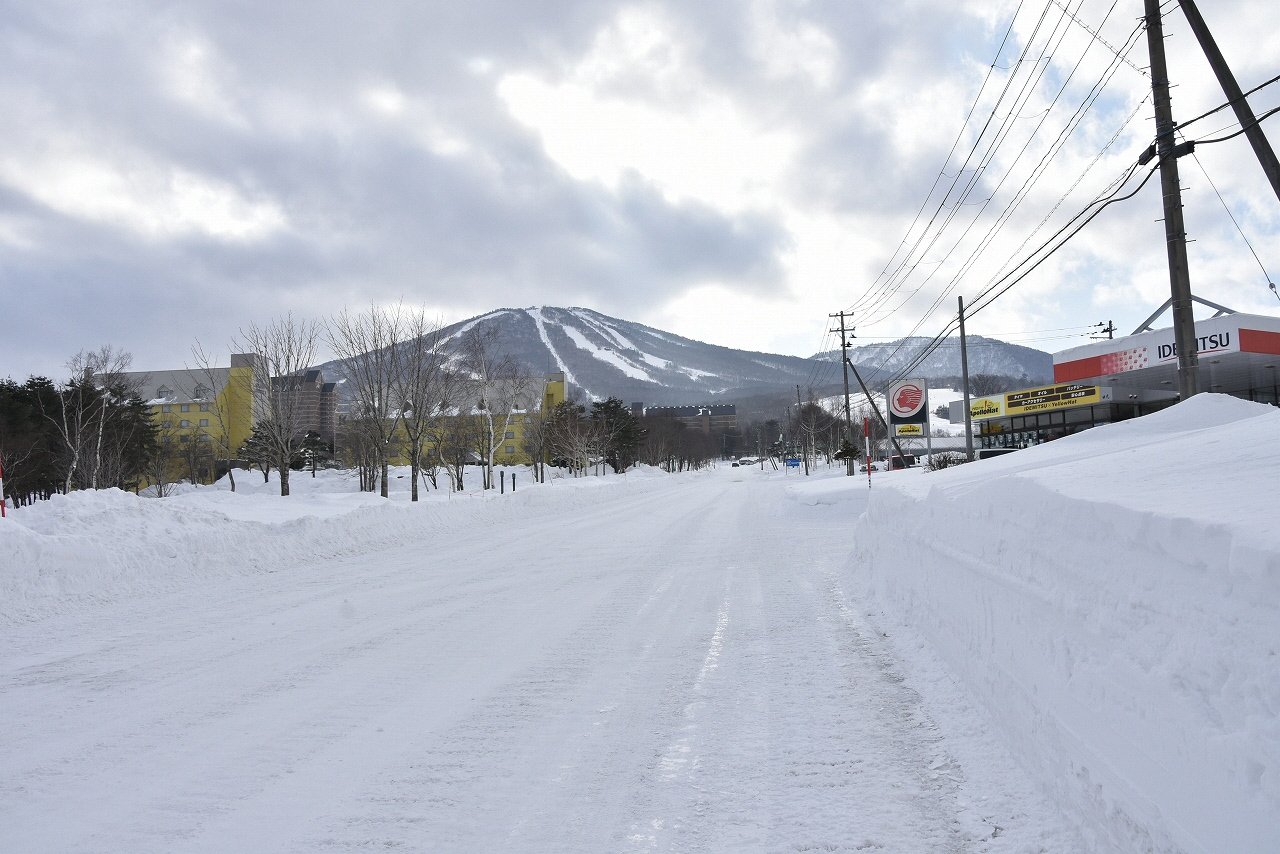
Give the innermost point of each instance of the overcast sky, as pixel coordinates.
(727, 171)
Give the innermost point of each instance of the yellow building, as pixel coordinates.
(211, 408)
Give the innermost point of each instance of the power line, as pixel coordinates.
(1104, 42)
(1244, 129)
(1221, 107)
(1020, 196)
(878, 292)
(1265, 275)
(879, 299)
(1101, 203)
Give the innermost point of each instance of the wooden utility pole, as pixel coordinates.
(1252, 130)
(844, 363)
(804, 447)
(964, 379)
(1175, 233)
(876, 409)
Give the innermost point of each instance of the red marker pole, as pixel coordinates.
(866, 438)
(2, 514)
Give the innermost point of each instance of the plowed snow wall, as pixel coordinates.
(1129, 657)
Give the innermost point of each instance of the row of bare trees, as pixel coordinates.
(415, 396)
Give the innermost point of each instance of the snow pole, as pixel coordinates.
(2, 513)
(866, 438)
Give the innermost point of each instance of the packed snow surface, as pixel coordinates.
(1067, 649)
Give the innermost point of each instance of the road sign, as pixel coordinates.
(793, 464)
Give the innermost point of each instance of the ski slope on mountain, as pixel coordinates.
(605, 356)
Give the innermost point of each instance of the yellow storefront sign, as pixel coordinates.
(908, 430)
(1050, 397)
(987, 407)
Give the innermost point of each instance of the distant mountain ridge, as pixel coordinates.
(606, 356)
(986, 356)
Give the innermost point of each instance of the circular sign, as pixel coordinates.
(906, 400)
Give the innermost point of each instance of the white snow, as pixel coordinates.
(605, 329)
(1068, 649)
(540, 322)
(1113, 600)
(609, 357)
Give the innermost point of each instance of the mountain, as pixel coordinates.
(604, 356)
(986, 356)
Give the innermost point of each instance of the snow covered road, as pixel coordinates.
(669, 668)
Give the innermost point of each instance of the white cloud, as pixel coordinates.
(636, 104)
(153, 200)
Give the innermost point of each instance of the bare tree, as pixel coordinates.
(985, 385)
(285, 348)
(368, 349)
(424, 390)
(456, 446)
(160, 461)
(97, 381)
(501, 386)
(207, 375)
(534, 442)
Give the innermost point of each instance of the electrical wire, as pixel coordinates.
(1095, 92)
(1265, 275)
(875, 291)
(1221, 107)
(1104, 42)
(1020, 196)
(1244, 128)
(990, 294)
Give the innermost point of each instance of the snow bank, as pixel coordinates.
(1113, 599)
(106, 544)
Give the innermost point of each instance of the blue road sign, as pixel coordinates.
(793, 464)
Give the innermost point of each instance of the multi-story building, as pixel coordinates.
(718, 418)
(216, 405)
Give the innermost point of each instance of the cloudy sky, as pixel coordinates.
(728, 171)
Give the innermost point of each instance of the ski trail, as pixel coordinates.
(536, 314)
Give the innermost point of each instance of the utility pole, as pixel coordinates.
(876, 409)
(1252, 130)
(844, 363)
(804, 447)
(1175, 233)
(964, 378)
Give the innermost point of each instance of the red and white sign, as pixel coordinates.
(906, 397)
(1231, 333)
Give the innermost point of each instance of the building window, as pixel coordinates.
(184, 438)
(164, 440)
(204, 407)
(204, 437)
(164, 391)
(184, 423)
(511, 449)
(186, 407)
(164, 425)
(204, 422)
(166, 409)
(510, 435)
(201, 392)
